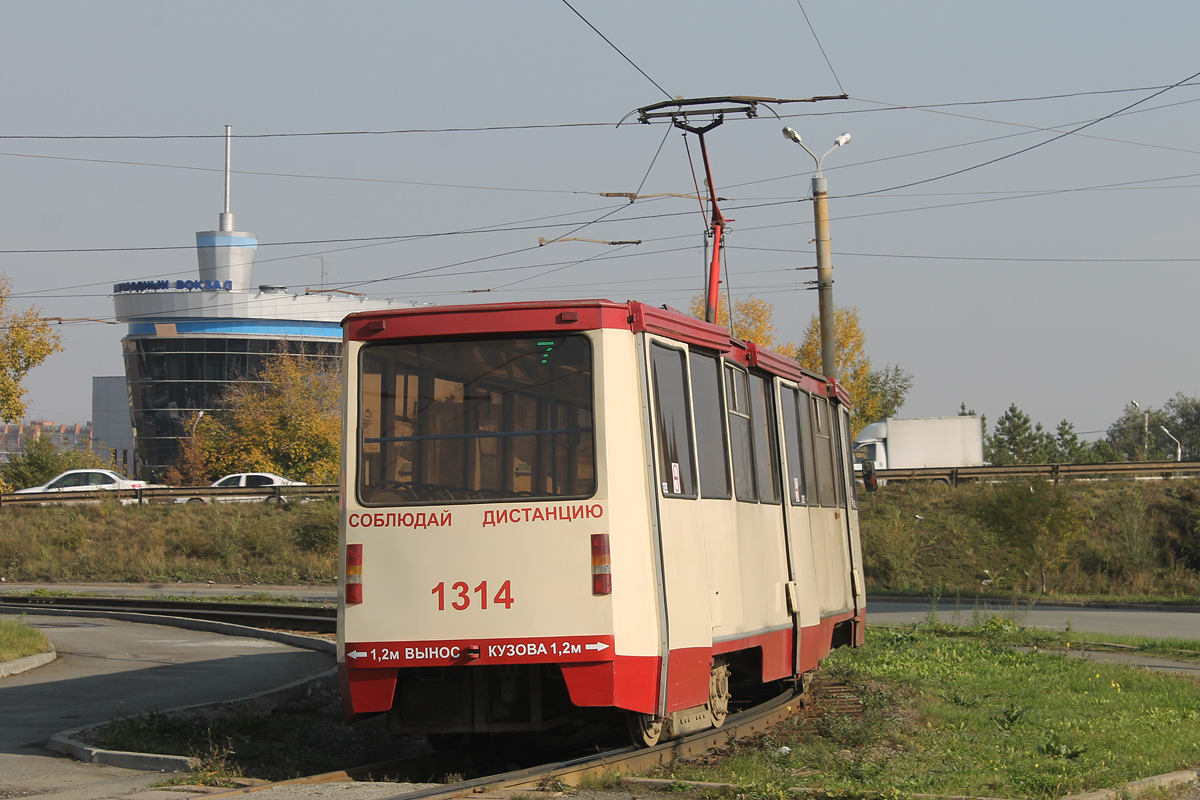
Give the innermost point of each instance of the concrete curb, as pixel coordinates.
(67, 741)
(29, 662)
(1138, 787)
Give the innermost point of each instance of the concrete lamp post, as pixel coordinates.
(824, 266)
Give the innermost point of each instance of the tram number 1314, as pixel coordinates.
(460, 595)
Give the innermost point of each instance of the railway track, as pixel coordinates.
(823, 697)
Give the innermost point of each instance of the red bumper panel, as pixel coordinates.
(366, 691)
(629, 682)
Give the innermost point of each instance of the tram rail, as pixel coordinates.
(572, 772)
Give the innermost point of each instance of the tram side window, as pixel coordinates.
(807, 442)
(741, 442)
(713, 453)
(766, 460)
(668, 375)
(789, 400)
(846, 458)
(476, 421)
(823, 441)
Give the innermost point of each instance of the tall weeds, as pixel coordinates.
(1142, 540)
(244, 543)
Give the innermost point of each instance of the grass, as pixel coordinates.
(293, 544)
(959, 711)
(20, 641)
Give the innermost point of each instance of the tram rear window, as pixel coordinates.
(476, 421)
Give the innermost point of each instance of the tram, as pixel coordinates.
(557, 509)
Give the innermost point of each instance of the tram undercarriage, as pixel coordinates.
(531, 698)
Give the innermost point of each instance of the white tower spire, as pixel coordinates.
(227, 215)
(226, 256)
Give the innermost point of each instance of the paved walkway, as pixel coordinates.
(108, 668)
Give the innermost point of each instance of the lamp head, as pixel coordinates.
(788, 133)
(841, 140)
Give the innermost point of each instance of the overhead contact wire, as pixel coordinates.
(1034, 146)
(614, 47)
(821, 48)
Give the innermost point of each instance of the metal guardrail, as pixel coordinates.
(950, 475)
(176, 494)
(316, 619)
(1053, 472)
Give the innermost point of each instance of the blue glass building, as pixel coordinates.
(189, 339)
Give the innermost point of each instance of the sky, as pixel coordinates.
(1014, 217)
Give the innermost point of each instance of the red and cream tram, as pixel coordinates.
(550, 507)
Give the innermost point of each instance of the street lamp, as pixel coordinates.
(1178, 446)
(1145, 430)
(824, 267)
(196, 422)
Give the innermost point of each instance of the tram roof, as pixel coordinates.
(427, 322)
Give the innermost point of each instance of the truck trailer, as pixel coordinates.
(920, 443)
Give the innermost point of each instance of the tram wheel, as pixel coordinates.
(644, 729)
(718, 692)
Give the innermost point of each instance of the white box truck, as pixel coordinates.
(919, 443)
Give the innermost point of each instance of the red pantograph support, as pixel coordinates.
(712, 295)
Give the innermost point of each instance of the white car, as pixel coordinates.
(86, 480)
(244, 480)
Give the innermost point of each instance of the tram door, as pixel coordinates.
(845, 462)
(687, 622)
(827, 512)
(799, 480)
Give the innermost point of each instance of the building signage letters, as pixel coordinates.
(154, 286)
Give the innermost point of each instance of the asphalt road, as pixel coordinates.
(108, 668)
(1134, 622)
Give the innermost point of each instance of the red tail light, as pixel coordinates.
(354, 562)
(601, 566)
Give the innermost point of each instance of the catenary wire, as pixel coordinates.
(614, 47)
(890, 107)
(1031, 147)
(820, 47)
(489, 128)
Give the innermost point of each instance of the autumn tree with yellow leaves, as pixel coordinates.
(752, 318)
(286, 420)
(26, 340)
(875, 393)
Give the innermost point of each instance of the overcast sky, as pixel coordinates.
(997, 245)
